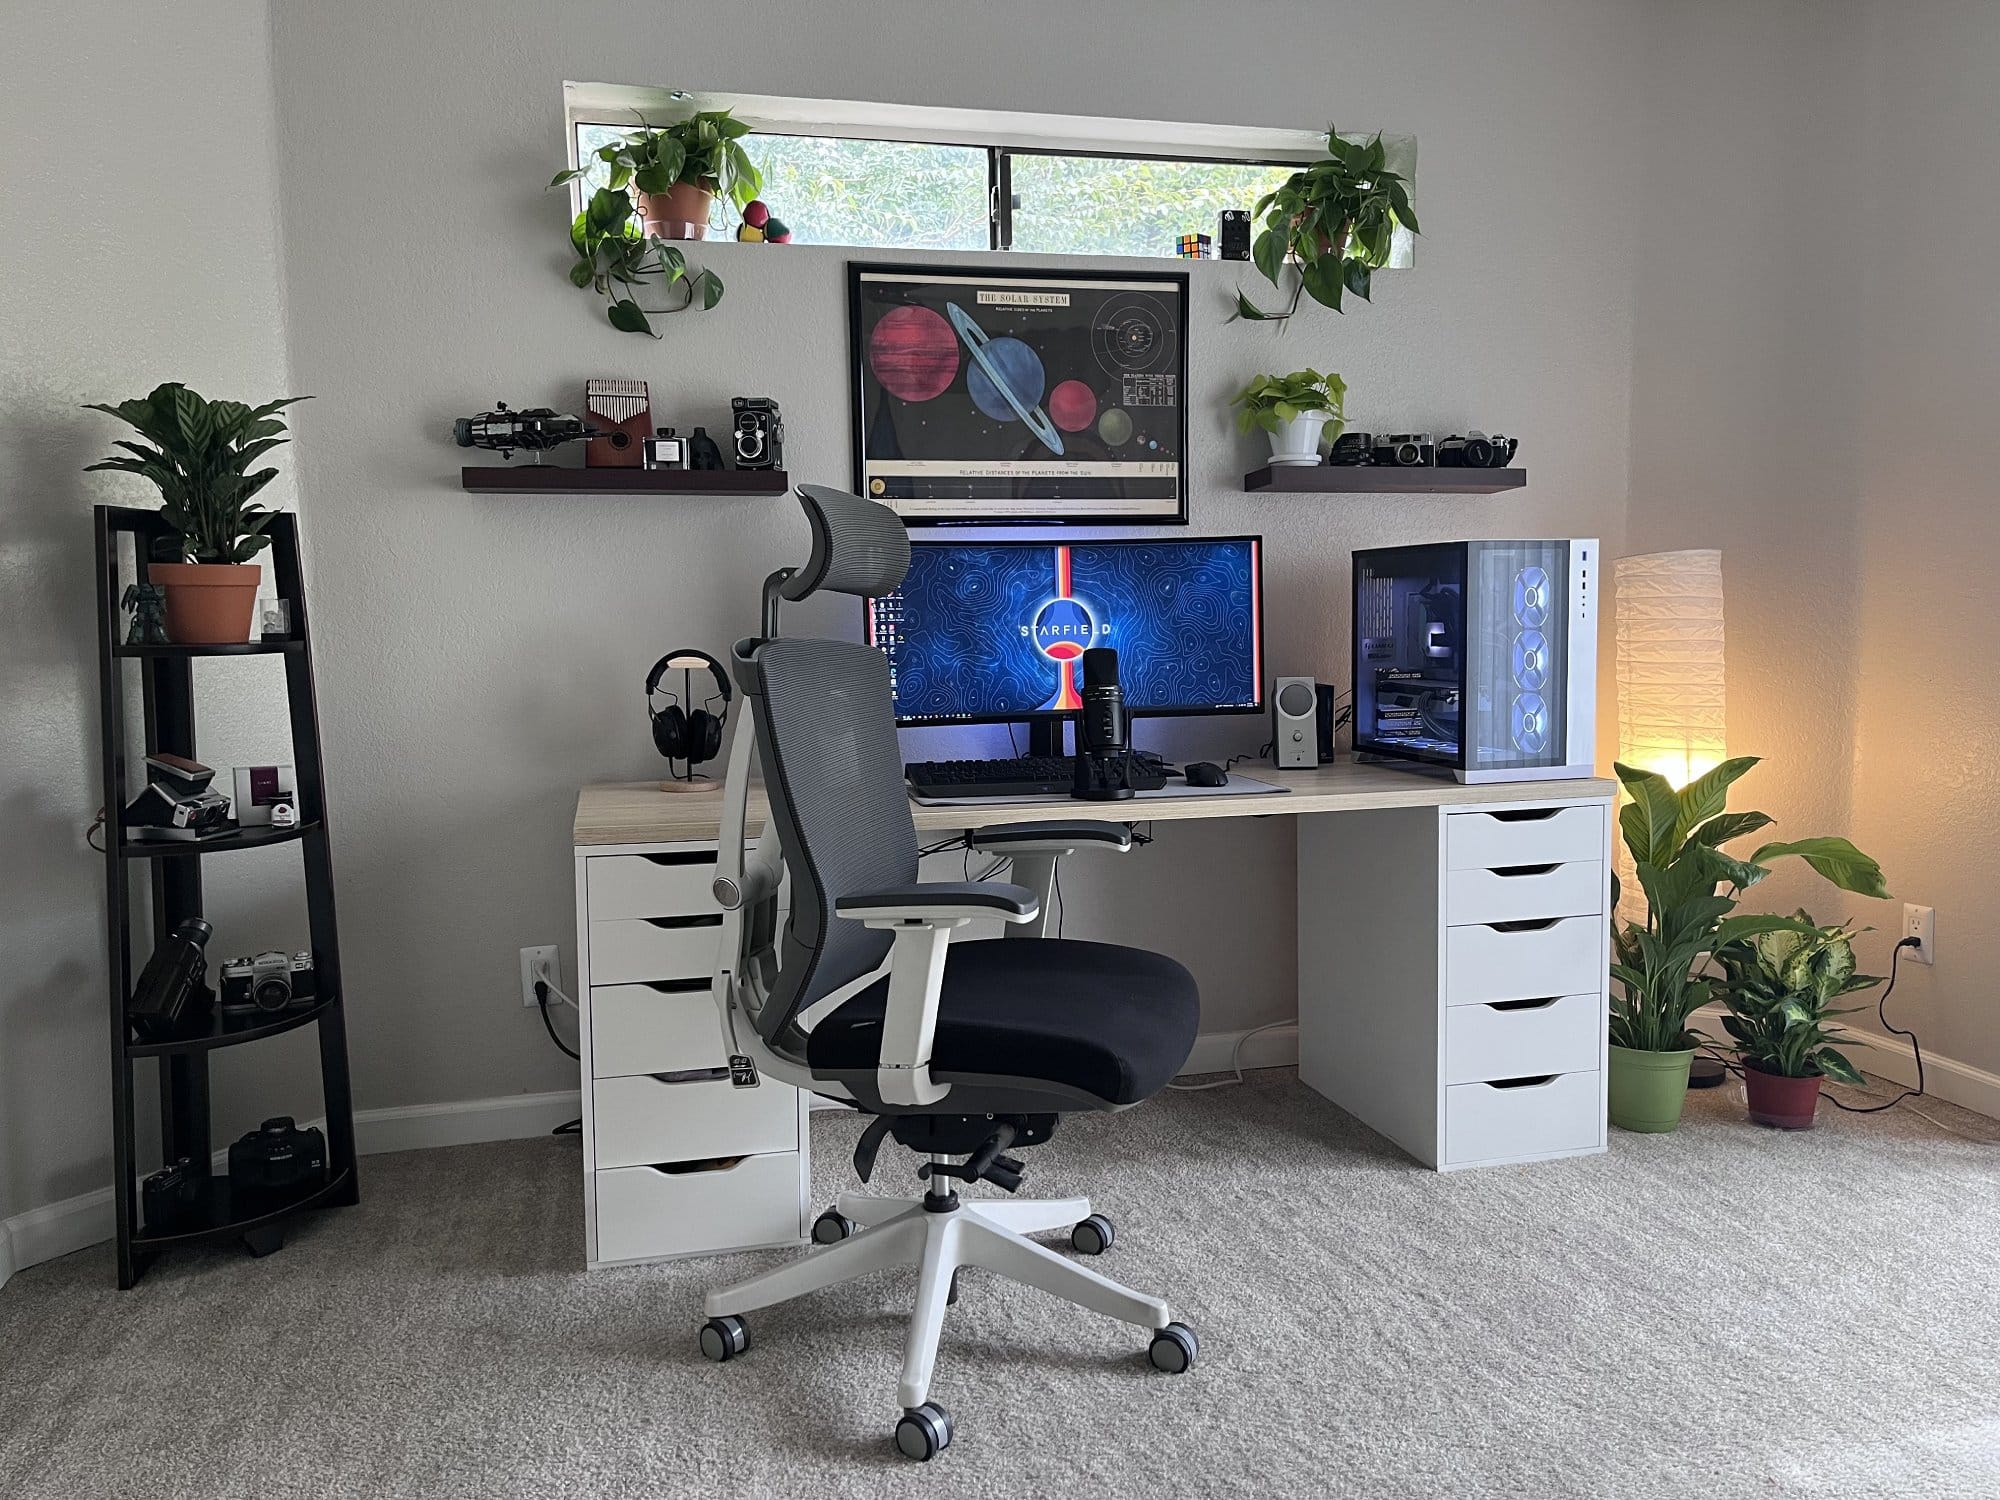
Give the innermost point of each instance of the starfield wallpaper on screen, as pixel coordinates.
(996, 630)
(991, 398)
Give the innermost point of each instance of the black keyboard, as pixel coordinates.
(1023, 776)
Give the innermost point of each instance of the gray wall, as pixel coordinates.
(140, 170)
(482, 656)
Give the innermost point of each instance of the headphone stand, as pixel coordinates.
(689, 782)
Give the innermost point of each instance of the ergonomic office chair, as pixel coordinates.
(961, 1052)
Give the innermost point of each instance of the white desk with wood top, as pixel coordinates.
(1454, 956)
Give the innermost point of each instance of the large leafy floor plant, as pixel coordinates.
(1693, 886)
(1780, 989)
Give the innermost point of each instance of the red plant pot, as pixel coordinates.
(1783, 1103)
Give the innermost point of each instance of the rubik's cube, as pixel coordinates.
(1195, 247)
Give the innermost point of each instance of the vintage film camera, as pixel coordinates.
(1352, 450)
(1476, 450)
(1404, 450)
(268, 984)
(277, 1155)
(759, 432)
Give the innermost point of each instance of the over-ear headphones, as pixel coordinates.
(679, 731)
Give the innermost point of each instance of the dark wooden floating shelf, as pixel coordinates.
(223, 1033)
(1366, 479)
(221, 1209)
(548, 479)
(240, 838)
(238, 648)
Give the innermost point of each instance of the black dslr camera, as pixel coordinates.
(278, 1155)
(1476, 450)
(1404, 450)
(759, 432)
(1352, 450)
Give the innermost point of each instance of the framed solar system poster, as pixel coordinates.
(1012, 397)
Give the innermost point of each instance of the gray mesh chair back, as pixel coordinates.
(859, 547)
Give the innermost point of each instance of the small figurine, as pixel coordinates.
(755, 217)
(148, 603)
(702, 452)
(776, 232)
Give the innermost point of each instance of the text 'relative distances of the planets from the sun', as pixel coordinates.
(1021, 397)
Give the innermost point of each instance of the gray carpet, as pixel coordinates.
(1721, 1312)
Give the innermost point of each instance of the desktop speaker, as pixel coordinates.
(1294, 723)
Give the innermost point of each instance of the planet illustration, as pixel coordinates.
(913, 353)
(1115, 426)
(1006, 380)
(1072, 406)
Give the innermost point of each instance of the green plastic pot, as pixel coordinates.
(1648, 1089)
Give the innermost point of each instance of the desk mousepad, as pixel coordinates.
(1239, 786)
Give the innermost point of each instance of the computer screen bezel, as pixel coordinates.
(1060, 715)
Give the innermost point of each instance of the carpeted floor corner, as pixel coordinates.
(1725, 1311)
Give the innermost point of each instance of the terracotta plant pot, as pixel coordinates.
(680, 213)
(208, 604)
(1782, 1103)
(1648, 1089)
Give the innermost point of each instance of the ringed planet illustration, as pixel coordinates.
(1005, 370)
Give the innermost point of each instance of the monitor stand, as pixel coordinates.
(1046, 737)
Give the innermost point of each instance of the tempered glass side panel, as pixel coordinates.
(1409, 651)
(1518, 687)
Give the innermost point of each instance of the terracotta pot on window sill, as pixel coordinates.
(680, 213)
(208, 604)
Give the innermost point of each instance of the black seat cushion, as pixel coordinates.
(1115, 1022)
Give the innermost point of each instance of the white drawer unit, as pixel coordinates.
(733, 1204)
(677, 1160)
(1454, 976)
(662, 1027)
(1520, 1038)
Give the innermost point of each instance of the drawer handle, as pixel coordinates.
(700, 1164)
(712, 920)
(692, 1075)
(1543, 1004)
(679, 859)
(1535, 1081)
(1515, 872)
(677, 986)
(1525, 814)
(1526, 924)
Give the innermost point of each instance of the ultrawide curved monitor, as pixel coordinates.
(993, 632)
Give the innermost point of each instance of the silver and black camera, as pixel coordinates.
(1352, 450)
(759, 432)
(1475, 450)
(268, 984)
(1404, 450)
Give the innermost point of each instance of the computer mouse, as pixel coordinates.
(1205, 773)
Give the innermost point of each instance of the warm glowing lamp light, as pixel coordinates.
(1670, 692)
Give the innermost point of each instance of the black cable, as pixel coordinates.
(574, 1127)
(542, 1000)
(1882, 1015)
(1055, 893)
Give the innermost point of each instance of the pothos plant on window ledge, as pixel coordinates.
(1333, 222)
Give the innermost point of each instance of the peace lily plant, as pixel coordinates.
(1692, 886)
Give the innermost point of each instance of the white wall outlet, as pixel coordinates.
(1920, 922)
(543, 963)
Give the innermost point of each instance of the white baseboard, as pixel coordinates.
(1945, 1078)
(1214, 1050)
(90, 1218)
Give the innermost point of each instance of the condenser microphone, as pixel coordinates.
(1105, 727)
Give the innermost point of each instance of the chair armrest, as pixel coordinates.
(1052, 838)
(942, 901)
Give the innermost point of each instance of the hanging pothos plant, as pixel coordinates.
(1333, 222)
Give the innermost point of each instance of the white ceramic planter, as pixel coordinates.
(1296, 443)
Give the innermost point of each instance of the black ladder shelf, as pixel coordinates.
(217, 1212)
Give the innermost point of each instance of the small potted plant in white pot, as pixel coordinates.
(1780, 988)
(200, 458)
(1294, 411)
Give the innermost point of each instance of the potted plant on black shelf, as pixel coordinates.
(1692, 887)
(1333, 222)
(200, 458)
(1293, 410)
(1779, 988)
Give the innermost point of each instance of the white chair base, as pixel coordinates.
(990, 1233)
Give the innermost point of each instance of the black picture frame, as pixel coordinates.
(1038, 489)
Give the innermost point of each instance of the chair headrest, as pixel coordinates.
(858, 546)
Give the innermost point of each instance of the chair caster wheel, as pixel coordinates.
(831, 1227)
(1173, 1349)
(724, 1338)
(1093, 1236)
(924, 1432)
